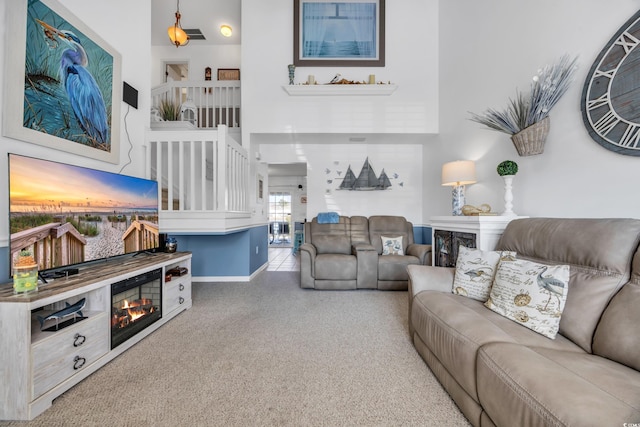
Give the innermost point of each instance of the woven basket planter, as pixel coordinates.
(530, 141)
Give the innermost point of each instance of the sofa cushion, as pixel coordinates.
(336, 267)
(531, 294)
(359, 230)
(618, 334)
(389, 225)
(527, 386)
(454, 328)
(475, 270)
(328, 244)
(394, 267)
(599, 252)
(392, 245)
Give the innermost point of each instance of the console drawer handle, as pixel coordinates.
(180, 300)
(78, 340)
(181, 287)
(78, 362)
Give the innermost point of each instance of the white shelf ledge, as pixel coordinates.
(338, 90)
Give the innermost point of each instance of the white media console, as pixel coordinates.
(38, 365)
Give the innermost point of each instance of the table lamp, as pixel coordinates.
(458, 174)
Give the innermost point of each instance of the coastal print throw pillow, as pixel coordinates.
(392, 245)
(475, 270)
(531, 294)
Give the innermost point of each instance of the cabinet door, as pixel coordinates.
(462, 239)
(66, 352)
(443, 248)
(446, 244)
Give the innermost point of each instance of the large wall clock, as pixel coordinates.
(611, 95)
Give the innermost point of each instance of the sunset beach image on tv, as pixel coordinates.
(66, 214)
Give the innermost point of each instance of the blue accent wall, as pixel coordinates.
(231, 254)
(5, 269)
(258, 247)
(422, 235)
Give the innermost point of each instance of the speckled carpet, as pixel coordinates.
(266, 353)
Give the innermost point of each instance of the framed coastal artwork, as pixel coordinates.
(329, 33)
(63, 87)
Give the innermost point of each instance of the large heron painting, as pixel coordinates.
(68, 81)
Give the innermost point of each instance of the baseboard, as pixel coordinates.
(230, 278)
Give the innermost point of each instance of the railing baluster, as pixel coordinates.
(217, 102)
(169, 175)
(192, 176)
(203, 174)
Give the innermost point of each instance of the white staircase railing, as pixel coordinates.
(203, 177)
(206, 104)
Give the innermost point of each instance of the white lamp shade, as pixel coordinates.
(460, 172)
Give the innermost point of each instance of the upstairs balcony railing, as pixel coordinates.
(203, 176)
(206, 104)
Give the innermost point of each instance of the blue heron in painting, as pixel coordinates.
(83, 91)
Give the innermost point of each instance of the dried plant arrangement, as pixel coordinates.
(547, 87)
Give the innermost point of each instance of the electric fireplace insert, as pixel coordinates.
(136, 303)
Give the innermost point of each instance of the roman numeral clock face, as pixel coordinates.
(611, 95)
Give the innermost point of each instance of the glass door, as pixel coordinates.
(280, 219)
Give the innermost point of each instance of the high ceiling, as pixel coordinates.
(206, 15)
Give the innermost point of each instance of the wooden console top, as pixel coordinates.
(95, 272)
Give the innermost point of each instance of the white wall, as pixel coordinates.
(411, 63)
(327, 164)
(198, 58)
(487, 50)
(411, 58)
(132, 41)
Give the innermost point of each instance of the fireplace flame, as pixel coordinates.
(131, 311)
(138, 308)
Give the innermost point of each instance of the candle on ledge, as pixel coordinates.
(372, 79)
(311, 79)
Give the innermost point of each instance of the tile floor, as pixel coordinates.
(281, 259)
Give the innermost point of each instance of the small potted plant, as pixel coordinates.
(507, 170)
(508, 167)
(169, 111)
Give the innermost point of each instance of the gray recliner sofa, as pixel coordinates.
(500, 373)
(348, 254)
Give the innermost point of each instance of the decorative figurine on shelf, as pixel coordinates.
(507, 170)
(292, 73)
(207, 76)
(470, 210)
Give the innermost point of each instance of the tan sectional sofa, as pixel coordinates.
(501, 373)
(348, 254)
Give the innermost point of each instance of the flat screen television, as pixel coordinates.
(67, 215)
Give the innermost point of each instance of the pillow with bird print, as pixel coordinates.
(475, 270)
(392, 245)
(531, 294)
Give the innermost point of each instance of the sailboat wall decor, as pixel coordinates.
(366, 180)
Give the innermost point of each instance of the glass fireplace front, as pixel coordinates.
(136, 303)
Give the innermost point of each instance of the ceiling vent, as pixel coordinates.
(194, 34)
